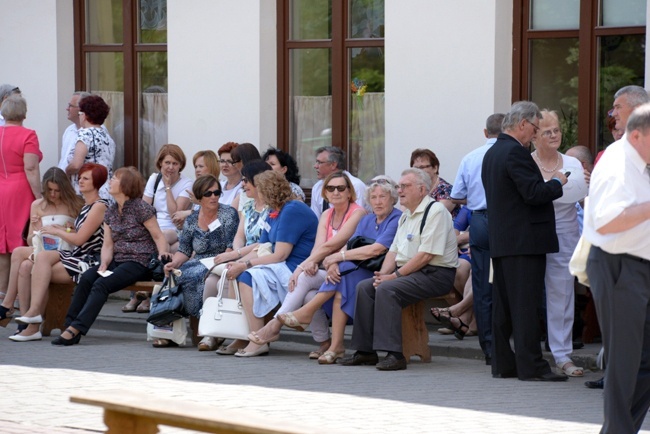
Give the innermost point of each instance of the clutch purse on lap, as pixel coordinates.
(370, 264)
(167, 303)
(224, 317)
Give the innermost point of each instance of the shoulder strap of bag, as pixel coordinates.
(424, 217)
(155, 187)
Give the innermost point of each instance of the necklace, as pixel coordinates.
(335, 229)
(553, 170)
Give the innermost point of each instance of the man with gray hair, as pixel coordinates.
(421, 263)
(521, 231)
(69, 140)
(330, 159)
(617, 221)
(6, 90)
(468, 189)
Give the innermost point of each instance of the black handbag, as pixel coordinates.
(168, 304)
(156, 266)
(370, 264)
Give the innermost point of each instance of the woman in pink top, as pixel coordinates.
(19, 180)
(335, 228)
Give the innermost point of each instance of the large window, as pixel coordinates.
(331, 91)
(573, 55)
(122, 56)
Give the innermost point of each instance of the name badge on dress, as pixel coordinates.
(214, 225)
(266, 226)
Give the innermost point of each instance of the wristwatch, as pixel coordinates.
(397, 273)
(248, 264)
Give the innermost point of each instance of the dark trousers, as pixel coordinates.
(516, 296)
(92, 292)
(481, 286)
(620, 285)
(378, 312)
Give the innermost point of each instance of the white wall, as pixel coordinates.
(36, 48)
(222, 73)
(448, 67)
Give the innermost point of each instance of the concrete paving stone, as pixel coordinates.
(455, 393)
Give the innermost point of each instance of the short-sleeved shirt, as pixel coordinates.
(101, 150)
(131, 239)
(253, 221)
(296, 224)
(179, 189)
(443, 192)
(209, 243)
(438, 237)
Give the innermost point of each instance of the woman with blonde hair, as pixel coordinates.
(59, 206)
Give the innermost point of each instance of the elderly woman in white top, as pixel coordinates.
(558, 280)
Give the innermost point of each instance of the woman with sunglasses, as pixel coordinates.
(251, 221)
(335, 228)
(206, 233)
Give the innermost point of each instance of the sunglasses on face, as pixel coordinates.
(340, 188)
(209, 193)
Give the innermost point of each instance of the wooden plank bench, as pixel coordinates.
(59, 301)
(130, 412)
(415, 335)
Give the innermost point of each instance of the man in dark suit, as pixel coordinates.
(521, 230)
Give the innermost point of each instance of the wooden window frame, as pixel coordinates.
(130, 50)
(587, 34)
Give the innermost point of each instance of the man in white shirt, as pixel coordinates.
(69, 139)
(330, 159)
(617, 222)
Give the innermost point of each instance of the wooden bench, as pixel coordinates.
(130, 412)
(415, 335)
(59, 301)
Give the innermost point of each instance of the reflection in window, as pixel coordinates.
(153, 21)
(366, 19)
(104, 22)
(554, 82)
(621, 63)
(153, 108)
(311, 19)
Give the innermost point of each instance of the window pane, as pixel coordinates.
(554, 82)
(310, 112)
(366, 18)
(153, 21)
(623, 13)
(311, 19)
(104, 22)
(153, 108)
(554, 14)
(620, 63)
(366, 116)
(106, 79)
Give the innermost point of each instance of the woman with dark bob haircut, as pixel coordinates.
(232, 184)
(93, 143)
(425, 159)
(131, 234)
(284, 163)
(198, 242)
(243, 154)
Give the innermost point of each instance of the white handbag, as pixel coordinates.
(578, 262)
(224, 317)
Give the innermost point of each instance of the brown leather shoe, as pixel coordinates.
(391, 363)
(360, 359)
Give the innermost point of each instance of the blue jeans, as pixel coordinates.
(93, 290)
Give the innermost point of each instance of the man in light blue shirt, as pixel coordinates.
(468, 189)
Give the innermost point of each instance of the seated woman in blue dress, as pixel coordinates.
(264, 280)
(206, 233)
(380, 226)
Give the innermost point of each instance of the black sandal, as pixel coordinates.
(437, 314)
(5, 317)
(459, 333)
(61, 341)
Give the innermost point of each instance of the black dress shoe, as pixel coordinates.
(549, 376)
(577, 345)
(488, 360)
(596, 384)
(508, 374)
(360, 359)
(391, 363)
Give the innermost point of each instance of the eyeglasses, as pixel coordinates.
(340, 188)
(534, 126)
(228, 162)
(318, 162)
(549, 133)
(72, 105)
(426, 166)
(209, 193)
(244, 179)
(15, 90)
(404, 186)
